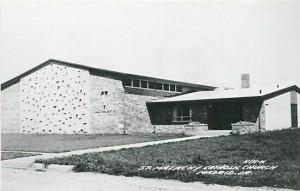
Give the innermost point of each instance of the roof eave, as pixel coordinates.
(98, 72)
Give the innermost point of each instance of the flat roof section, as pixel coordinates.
(264, 93)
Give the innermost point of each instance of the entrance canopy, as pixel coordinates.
(263, 93)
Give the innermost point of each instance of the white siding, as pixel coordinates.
(278, 112)
(10, 109)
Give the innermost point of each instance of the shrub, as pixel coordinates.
(199, 159)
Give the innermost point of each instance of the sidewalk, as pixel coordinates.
(30, 180)
(27, 162)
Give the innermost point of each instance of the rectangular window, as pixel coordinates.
(144, 84)
(152, 85)
(159, 86)
(182, 113)
(166, 87)
(127, 82)
(172, 88)
(136, 83)
(104, 92)
(178, 88)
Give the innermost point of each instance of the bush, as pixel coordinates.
(199, 159)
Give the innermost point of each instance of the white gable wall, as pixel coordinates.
(55, 99)
(10, 109)
(278, 112)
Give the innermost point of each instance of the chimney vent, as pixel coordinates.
(245, 80)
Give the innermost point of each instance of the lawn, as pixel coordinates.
(279, 148)
(13, 155)
(62, 143)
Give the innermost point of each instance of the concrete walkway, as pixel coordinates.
(30, 180)
(28, 162)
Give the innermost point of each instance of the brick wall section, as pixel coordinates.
(137, 119)
(10, 109)
(149, 92)
(186, 129)
(106, 111)
(136, 114)
(170, 129)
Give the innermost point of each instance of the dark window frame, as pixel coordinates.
(126, 82)
(152, 85)
(166, 85)
(142, 83)
(178, 87)
(159, 86)
(180, 113)
(134, 84)
(172, 87)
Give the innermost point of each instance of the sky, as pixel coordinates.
(205, 42)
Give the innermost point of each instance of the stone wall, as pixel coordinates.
(243, 127)
(186, 129)
(169, 128)
(10, 109)
(107, 99)
(55, 99)
(136, 114)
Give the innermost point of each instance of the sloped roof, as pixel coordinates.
(100, 72)
(264, 93)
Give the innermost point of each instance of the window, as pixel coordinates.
(159, 86)
(178, 88)
(127, 82)
(152, 85)
(172, 88)
(144, 84)
(136, 83)
(104, 92)
(166, 87)
(182, 113)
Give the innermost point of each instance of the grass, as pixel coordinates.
(13, 155)
(280, 148)
(62, 143)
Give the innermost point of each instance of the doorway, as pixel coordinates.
(213, 118)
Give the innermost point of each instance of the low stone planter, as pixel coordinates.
(244, 127)
(195, 128)
(189, 129)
